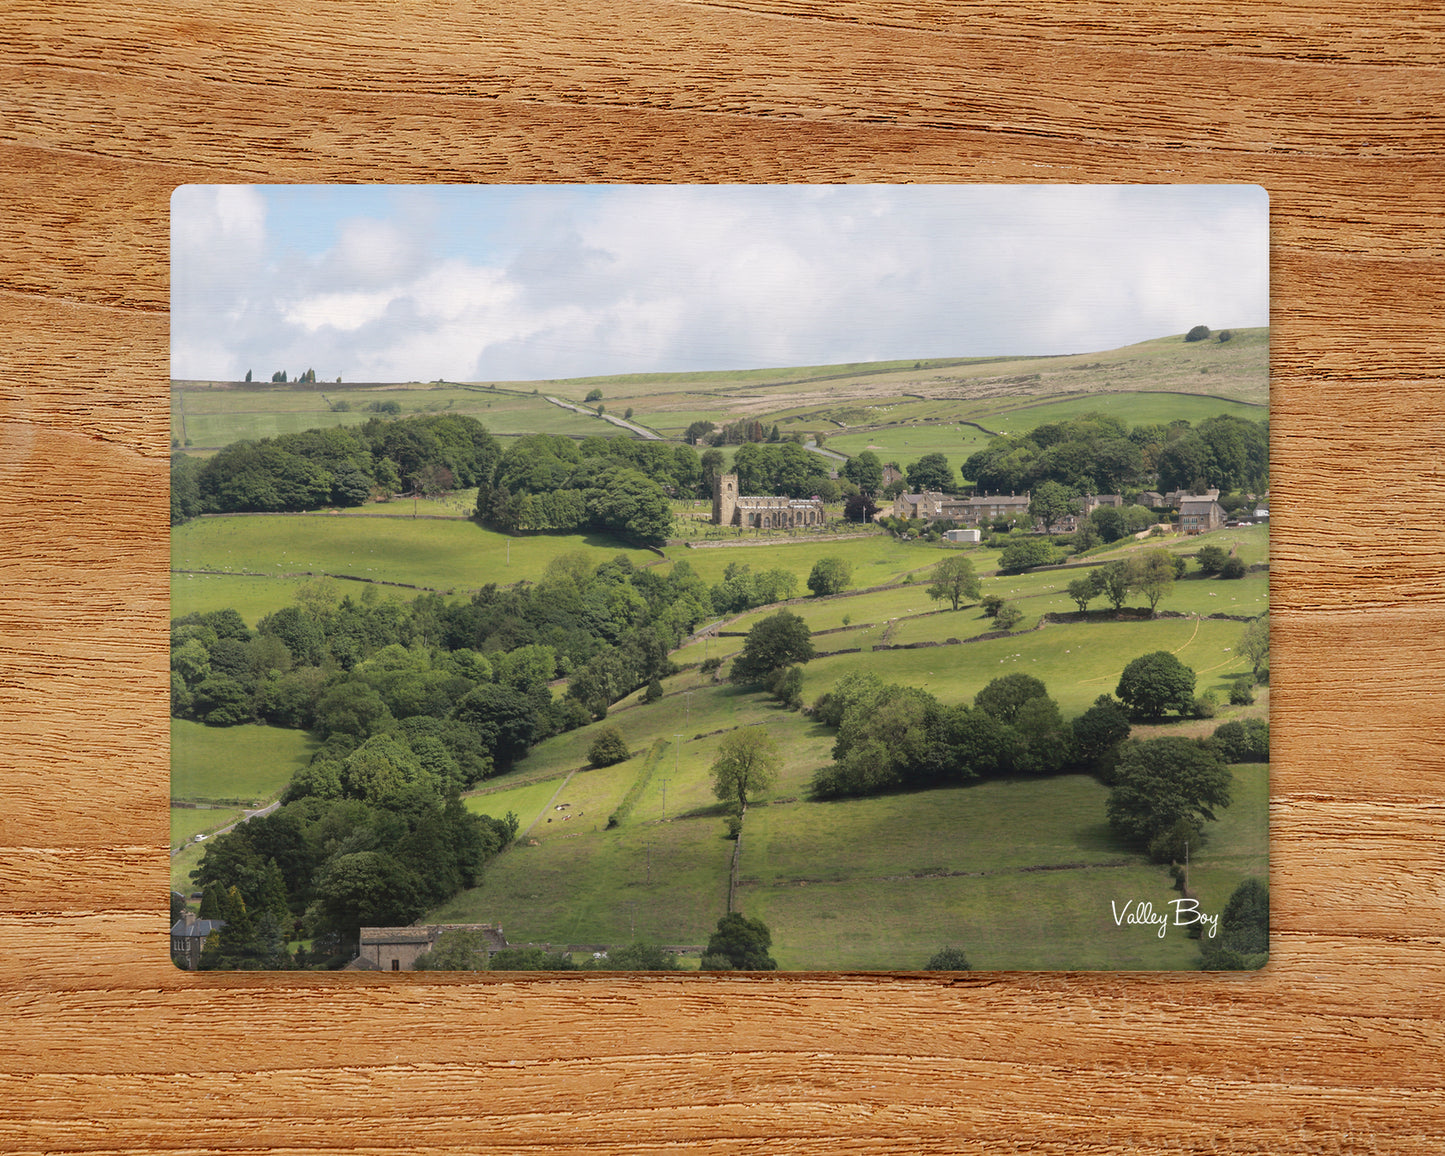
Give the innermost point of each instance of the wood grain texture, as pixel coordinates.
(1333, 107)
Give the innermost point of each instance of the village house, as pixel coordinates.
(761, 513)
(188, 939)
(1087, 505)
(397, 948)
(932, 506)
(1200, 514)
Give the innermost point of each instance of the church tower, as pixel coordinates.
(724, 499)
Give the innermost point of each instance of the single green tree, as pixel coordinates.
(953, 581)
(1152, 575)
(948, 959)
(1008, 617)
(747, 763)
(1098, 735)
(865, 471)
(829, 575)
(1083, 590)
(1003, 697)
(1051, 503)
(740, 944)
(1242, 943)
(1155, 683)
(778, 641)
(1211, 559)
(788, 688)
(1253, 644)
(1114, 583)
(1198, 333)
(1160, 781)
(930, 472)
(607, 748)
(1110, 521)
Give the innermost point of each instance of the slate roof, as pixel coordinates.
(196, 929)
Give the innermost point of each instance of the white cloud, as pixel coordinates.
(552, 282)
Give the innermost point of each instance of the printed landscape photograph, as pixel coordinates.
(598, 578)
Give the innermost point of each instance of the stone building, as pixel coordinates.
(397, 948)
(188, 938)
(1199, 515)
(729, 508)
(933, 506)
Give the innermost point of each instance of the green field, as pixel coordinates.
(214, 417)
(875, 560)
(228, 764)
(442, 555)
(1076, 663)
(251, 597)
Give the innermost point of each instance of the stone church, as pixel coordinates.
(730, 509)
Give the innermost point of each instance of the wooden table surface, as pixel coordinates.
(1334, 107)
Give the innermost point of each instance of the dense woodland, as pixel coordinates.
(1098, 454)
(340, 466)
(414, 703)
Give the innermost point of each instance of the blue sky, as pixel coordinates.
(506, 282)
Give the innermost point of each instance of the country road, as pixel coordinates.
(637, 429)
(245, 818)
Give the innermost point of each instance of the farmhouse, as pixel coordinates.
(730, 509)
(397, 948)
(1196, 515)
(933, 506)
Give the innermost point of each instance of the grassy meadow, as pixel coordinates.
(246, 764)
(454, 555)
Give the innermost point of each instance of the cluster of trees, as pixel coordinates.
(546, 482)
(1149, 573)
(1107, 524)
(1099, 454)
(479, 670)
(742, 588)
(744, 431)
(892, 737)
(341, 466)
(374, 837)
(783, 468)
